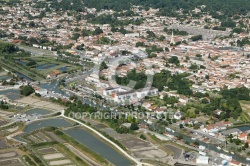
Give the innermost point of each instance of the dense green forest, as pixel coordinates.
(76, 5)
(167, 7)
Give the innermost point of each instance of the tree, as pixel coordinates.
(134, 126)
(196, 143)
(140, 44)
(80, 47)
(97, 31)
(26, 90)
(122, 130)
(103, 66)
(228, 23)
(194, 67)
(196, 38)
(237, 30)
(181, 126)
(142, 137)
(75, 36)
(174, 60)
(161, 38)
(32, 24)
(31, 63)
(246, 145)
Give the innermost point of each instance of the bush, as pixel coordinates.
(196, 38)
(134, 126)
(142, 137)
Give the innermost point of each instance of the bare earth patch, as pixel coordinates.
(53, 156)
(150, 153)
(60, 162)
(40, 103)
(47, 150)
(9, 154)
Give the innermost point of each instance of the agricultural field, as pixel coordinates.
(245, 115)
(11, 158)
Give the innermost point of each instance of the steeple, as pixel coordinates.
(172, 38)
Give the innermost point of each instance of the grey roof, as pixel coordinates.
(230, 131)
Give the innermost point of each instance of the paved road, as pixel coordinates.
(202, 133)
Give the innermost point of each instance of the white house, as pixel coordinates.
(209, 129)
(202, 160)
(42, 92)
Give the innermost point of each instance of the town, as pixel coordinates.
(95, 85)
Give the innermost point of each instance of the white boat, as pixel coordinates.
(218, 147)
(248, 158)
(229, 158)
(225, 150)
(232, 152)
(173, 131)
(168, 129)
(193, 138)
(202, 148)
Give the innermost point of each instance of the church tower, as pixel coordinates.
(172, 38)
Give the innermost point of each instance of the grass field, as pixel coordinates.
(14, 67)
(245, 115)
(56, 65)
(32, 71)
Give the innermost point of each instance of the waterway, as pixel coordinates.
(5, 77)
(81, 136)
(12, 94)
(46, 66)
(56, 122)
(23, 76)
(38, 111)
(98, 146)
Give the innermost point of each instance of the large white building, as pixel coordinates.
(123, 94)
